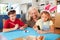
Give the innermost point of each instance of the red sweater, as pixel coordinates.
(10, 24)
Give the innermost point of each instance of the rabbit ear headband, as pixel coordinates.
(49, 9)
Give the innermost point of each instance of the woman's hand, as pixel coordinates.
(21, 28)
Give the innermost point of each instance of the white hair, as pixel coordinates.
(28, 17)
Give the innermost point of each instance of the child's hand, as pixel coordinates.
(21, 28)
(40, 38)
(16, 26)
(41, 32)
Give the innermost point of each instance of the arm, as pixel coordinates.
(48, 31)
(25, 25)
(22, 25)
(35, 27)
(51, 27)
(7, 30)
(51, 30)
(41, 31)
(10, 29)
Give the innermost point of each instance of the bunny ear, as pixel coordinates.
(53, 8)
(47, 7)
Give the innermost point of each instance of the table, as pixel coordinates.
(19, 33)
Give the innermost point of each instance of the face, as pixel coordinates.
(44, 17)
(34, 17)
(33, 13)
(12, 17)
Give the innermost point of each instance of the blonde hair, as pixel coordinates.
(46, 13)
(28, 17)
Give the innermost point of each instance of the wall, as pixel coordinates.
(57, 17)
(10, 1)
(57, 20)
(25, 1)
(23, 7)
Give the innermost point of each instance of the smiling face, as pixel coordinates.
(44, 17)
(12, 17)
(33, 13)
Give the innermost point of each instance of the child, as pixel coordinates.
(13, 23)
(44, 25)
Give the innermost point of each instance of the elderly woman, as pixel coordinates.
(32, 16)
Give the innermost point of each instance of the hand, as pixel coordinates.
(41, 32)
(21, 28)
(40, 38)
(16, 26)
(51, 31)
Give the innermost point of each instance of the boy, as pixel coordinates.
(13, 23)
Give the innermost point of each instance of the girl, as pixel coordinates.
(44, 25)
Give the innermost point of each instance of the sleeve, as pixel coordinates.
(21, 23)
(37, 23)
(51, 22)
(6, 24)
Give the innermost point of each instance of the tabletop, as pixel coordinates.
(21, 33)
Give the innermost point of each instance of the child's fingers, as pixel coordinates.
(40, 38)
(16, 26)
(40, 32)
